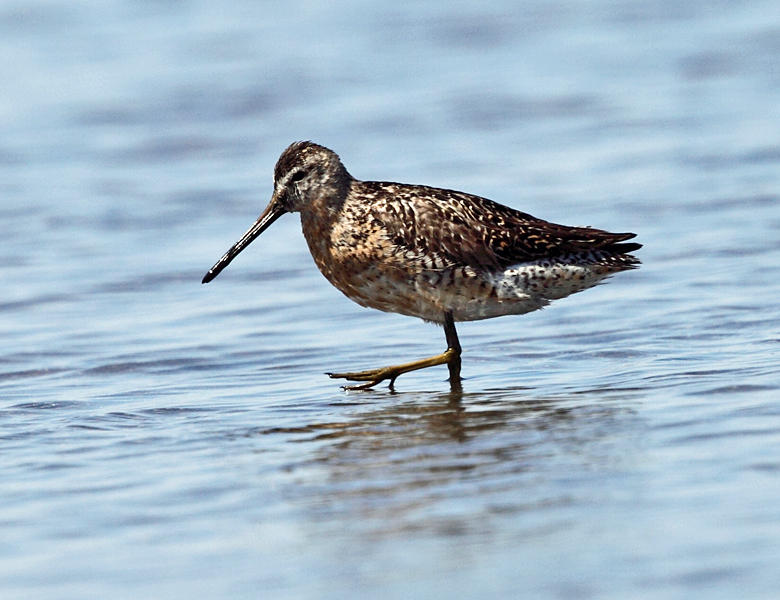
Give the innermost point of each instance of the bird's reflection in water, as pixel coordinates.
(442, 460)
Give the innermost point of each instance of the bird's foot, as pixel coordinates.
(371, 377)
(374, 376)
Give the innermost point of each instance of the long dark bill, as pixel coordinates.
(272, 212)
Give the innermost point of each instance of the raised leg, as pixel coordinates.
(450, 357)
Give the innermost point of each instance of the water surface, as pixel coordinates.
(168, 439)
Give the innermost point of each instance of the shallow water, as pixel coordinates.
(164, 438)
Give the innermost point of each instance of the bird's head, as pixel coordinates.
(306, 176)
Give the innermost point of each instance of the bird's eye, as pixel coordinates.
(297, 176)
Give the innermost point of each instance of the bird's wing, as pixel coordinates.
(453, 228)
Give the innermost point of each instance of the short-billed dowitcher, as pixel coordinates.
(437, 254)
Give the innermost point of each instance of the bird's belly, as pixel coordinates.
(469, 294)
(380, 279)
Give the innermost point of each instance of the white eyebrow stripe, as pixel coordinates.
(289, 175)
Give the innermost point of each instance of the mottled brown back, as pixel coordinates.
(463, 229)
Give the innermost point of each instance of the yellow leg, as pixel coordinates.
(374, 376)
(450, 357)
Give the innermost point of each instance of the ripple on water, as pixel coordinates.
(160, 437)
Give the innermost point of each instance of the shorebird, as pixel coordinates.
(440, 255)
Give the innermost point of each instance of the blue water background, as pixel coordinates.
(160, 438)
